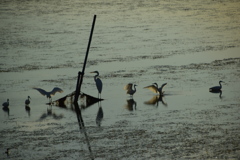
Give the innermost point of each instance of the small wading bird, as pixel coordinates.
(216, 88)
(5, 105)
(154, 88)
(27, 101)
(98, 82)
(129, 89)
(49, 94)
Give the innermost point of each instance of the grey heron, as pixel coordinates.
(5, 104)
(98, 82)
(49, 94)
(154, 88)
(129, 88)
(27, 101)
(216, 88)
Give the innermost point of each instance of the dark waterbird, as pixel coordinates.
(5, 105)
(49, 94)
(27, 101)
(98, 83)
(216, 88)
(129, 88)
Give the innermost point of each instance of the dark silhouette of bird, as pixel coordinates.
(154, 88)
(129, 88)
(98, 83)
(216, 88)
(49, 94)
(27, 101)
(5, 105)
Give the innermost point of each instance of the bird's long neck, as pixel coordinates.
(95, 77)
(134, 88)
(220, 84)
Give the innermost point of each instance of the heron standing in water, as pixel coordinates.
(129, 89)
(154, 88)
(216, 88)
(49, 94)
(98, 82)
(27, 101)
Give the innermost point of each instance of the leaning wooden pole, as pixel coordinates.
(81, 74)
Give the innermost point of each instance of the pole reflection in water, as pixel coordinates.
(131, 104)
(155, 100)
(99, 115)
(82, 126)
(219, 91)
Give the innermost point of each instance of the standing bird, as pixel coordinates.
(49, 94)
(98, 83)
(27, 101)
(154, 88)
(5, 105)
(216, 88)
(129, 89)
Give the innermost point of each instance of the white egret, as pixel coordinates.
(27, 101)
(216, 88)
(5, 104)
(129, 89)
(154, 88)
(49, 94)
(98, 83)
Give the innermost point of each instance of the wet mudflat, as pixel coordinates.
(190, 46)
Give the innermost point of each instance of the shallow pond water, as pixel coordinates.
(189, 45)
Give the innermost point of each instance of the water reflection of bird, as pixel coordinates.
(99, 116)
(129, 89)
(7, 151)
(49, 94)
(216, 88)
(5, 104)
(155, 100)
(27, 108)
(131, 104)
(154, 88)
(217, 91)
(98, 82)
(27, 101)
(50, 114)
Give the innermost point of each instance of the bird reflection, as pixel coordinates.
(99, 116)
(155, 100)
(50, 114)
(217, 91)
(27, 108)
(131, 104)
(7, 152)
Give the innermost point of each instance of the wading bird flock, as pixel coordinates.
(130, 88)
